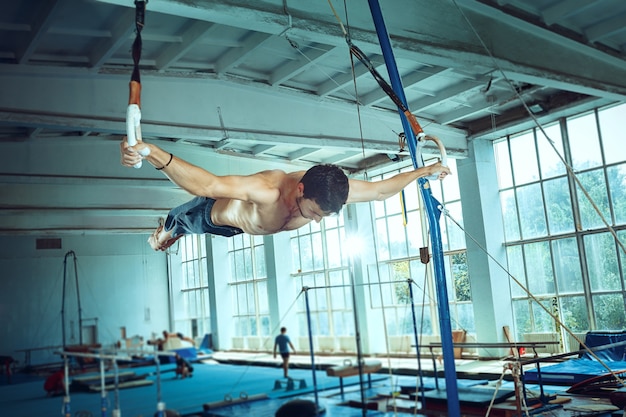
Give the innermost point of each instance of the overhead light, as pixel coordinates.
(536, 108)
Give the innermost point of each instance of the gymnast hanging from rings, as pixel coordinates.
(263, 203)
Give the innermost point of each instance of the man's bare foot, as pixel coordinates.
(162, 239)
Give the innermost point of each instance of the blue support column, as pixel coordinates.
(433, 213)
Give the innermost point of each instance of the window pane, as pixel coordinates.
(251, 299)
(594, 184)
(609, 311)
(509, 214)
(503, 165)
(379, 208)
(451, 190)
(617, 187)
(418, 274)
(247, 257)
(455, 233)
(542, 321)
(523, 322)
(375, 275)
(460, 272)
(602, 262)
(393, 204)
(584, 142)
(338, 294)
(516, 269)
(574, 313)
(381, 239)
(465, 319)
(239, 266)
(306, 253)
(262, 297)
(539, 268)
(567, 266)
(397, 237)
(414, 232)
(333, 248)
(524, 157)
(558, 206)
(259, 259)
(412, 197)
(318, 253)
(532, 215)
(612, 131)
(549, 160)
(295, 255)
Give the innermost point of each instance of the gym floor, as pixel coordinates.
(219, 387)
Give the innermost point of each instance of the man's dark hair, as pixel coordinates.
(298, 408)
(327, 185)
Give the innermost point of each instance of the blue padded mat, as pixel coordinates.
(574, 371)
(571, 372)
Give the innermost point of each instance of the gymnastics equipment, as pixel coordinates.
(133, 112)
(114, 358)
(290, 384)
(103, 393)
(421, 141)
(350, 369)
(432, 209)
(80, 321)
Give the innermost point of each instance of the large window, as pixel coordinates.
(194, 288)
(400, 239)
(558, 223)
(249, 286)
(320, 261)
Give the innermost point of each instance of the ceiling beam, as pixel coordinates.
(305, 59)
(43, 18)
(564, 9)
(436, 42)
(105, 48)
(237, 55)
(616, 24)
(193, 35)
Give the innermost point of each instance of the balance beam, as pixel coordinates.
(348, 369)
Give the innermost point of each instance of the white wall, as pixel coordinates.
(122, 282)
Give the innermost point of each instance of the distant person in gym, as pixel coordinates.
(282, 342)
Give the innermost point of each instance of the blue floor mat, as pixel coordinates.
(210, 383)
(570, 372)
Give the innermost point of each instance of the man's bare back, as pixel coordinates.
(278, 213)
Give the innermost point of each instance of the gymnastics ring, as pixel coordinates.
(442, 150)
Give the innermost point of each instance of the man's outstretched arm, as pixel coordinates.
(361, 191)
(198, 181)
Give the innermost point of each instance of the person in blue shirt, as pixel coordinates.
(282, 342)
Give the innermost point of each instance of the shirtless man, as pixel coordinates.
(263, 203)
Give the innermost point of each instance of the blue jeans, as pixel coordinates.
(194, 217)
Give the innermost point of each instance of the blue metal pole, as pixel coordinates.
(433, 213)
